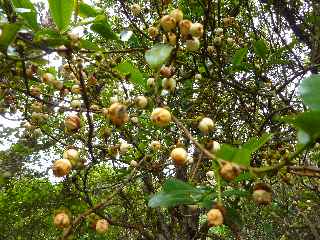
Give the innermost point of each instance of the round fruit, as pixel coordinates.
(169, 84)
(76, 89)
(151, 82)
(184, 27)
(72, 155)
(229, 171)
(215, 217)
(153, 32)
(118, 114)
(166, 71)
(124, 147)
(179, 156)
(215, 147)
(177, 14)
(72, 123)
(61, 220)
(262, 194)
(193, 44)
(133, 163)
(198, 76)
(48, 78)
(218, 31)
(141, 101)
(211, 50)
(206, 125)
(217, 41)
(168, 23)
(57, 84)
(35, 91)
(196, 30)
(210, 174)
(75, 104)
(155, 145)
(61, 167)
(102, 226)
(161, 117)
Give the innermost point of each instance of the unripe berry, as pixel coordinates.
(184, 27)
(196, 30)
(169, 84)
(177, 14)
(215, 217)
(153, 32)
(135, 9)
(102, 226)
(193, 44)
(76, 89)
(198, 76)
(229, 171)
(133, 163)
(124, 147)
(141, 101)
(61, 220)
(168, 23)
(72, 155)
(72, 123)
(161, 117)
(166, 71)
(151, 82)
(57, 84)
(179, 156)
(48, 78)
(61, 167)
(155, 145)
(217, 41)
(118, 114)
(37, 107)
(218, 31)
(206, 125)
(75, 104)
(35, 91)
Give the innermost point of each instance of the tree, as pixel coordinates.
(167, 119)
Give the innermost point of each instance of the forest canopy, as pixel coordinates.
(159, 119)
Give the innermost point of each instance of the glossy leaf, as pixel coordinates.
(50, 38)
(61, 12)
(255, 143)
(103, 28)
(239, 56)
(85, 10)
(175, 192)
(310, 91)
(158, 55)
(29, 16)
(8, 34)
(135, 76)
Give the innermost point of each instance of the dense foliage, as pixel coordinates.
(160, 119)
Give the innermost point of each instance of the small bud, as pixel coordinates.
(35, 91)
(153, 32)
(75, 104)
(124, 147)
(218, 31)
(198, 76)
(76, 89)
(211, 50)
(151, 82)
(48, 78)
(230, 41)
(217, 41)
(155, 145)
(133, 163)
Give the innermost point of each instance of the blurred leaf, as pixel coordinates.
(261, 48)
(88, 45)
(135, 75)
(102, 27)
(175, 192)
(61, 11)
(307, 123)
(310, 91)
(158, 55)
(239, 56)
(85, 10)
(31, 16)
(8, 34)
(255, 143)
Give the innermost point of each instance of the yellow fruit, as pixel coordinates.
(155, 145)
(193, 44)
(48, 78)
(141, 101)
(61, 220)
(196, 30)
(135, 9)
(179, 156)
(118, 114)
(184, 27)
(230, 171)
(168, 23)
(72, 155)
(153, 32)
(215, 217)
(177, 14)
(102, 226)
(161, 117)
(61, 167)
(169, 84)
(206, 125)
(72, 123)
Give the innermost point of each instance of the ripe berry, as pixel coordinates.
(72, 123)
(61, 167)
(215, 217)
(168, 23)
(161, 117)
(118, 114)
(196, 30)
(184, 27)
(102, 226)
(177, 14)
(230, 171)
(179, 156)
(61, 220)
(206, 125)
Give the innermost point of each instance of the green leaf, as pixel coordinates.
(158, 55)
(135, 75)
(239, 56)
(307, 123)
(88, 45)
(8, 34)
(240, 156)
(175, 192)
(261, 48)
(255, 143)
(102, 27)
(310, 91)
(61, 11)
(50, 37)
(86, 10)
(29, 17)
